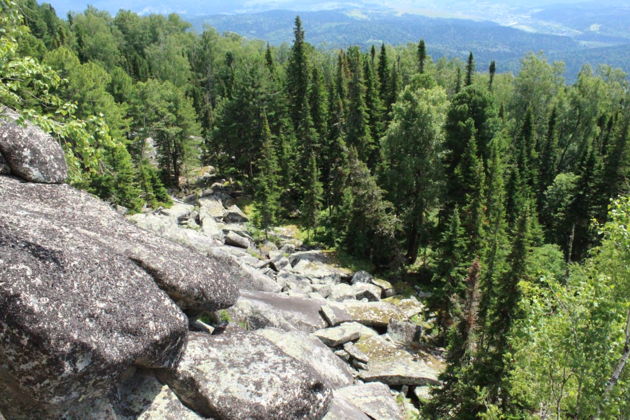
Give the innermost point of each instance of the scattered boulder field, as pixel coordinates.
(180, 313)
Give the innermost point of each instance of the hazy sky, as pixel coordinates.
(193, 7)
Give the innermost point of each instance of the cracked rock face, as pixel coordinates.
(73, 319)
(30, 153)
(311, 351)
(239, 375)
(84, 295)
(193, 281)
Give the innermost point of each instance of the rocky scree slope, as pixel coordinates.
(183, 315)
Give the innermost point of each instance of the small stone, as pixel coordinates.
(423, 393)
(310, 351)
(355, 353)
(410, 306)
(337, 336)
(342, 409)
(334, 315)
(343, 355)
(374, 399)
(388, 289)
(280, 263)
(361, 277)
(370, 292)
(262, 309)
(235, 215)
(341, 292)
(377, 314)
(395, 366)
(234, 239)
(404, 332)
(357, 364)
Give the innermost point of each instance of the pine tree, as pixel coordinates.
(267, 194)
(491, 71)
(422, 56)
(470, 70)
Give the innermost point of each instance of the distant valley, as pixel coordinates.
(444, 36)
(573, 31)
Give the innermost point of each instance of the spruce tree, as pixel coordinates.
(495, 235)
(269, 60)
(357, 124)
(298, 78)
(548, 157)
(384, 76)
(506, 310)
(451, 262)
(312, 201)
(371, 226)
(582, 208)
(491, 72)
(317, 103)
(470, 70)
(374, 108)
(422, 56)
(458, 80)
(267, 194)
(471, 180)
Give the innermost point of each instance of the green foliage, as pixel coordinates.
(374, 150)
(312, 201)
(171, 123)
(571, 342)
(267, 193)
(411, 159)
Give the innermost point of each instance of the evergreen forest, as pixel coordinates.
(505, 195)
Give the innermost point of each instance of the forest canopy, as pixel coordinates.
(507, 194)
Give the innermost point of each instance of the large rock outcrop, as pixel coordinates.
(59, 217)
(85, 296)
(241, 375)
(30, 153)
(74, 316)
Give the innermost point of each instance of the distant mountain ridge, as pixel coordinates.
(574, 31)
(444, 37)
